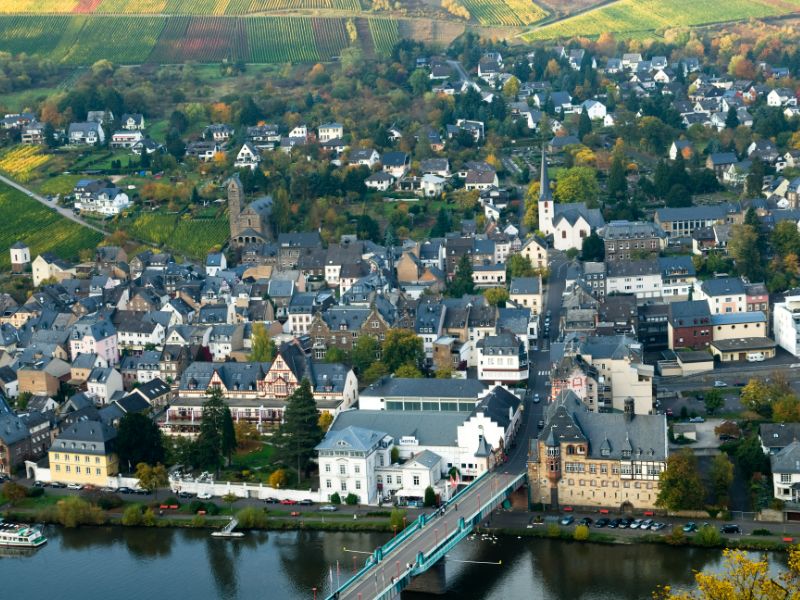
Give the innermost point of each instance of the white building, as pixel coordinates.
(247, 157)
(108, 201)
(330, 131)
(786, 322)
(639, 277)
(502, 359)
(786, 473)
(126, 139)
(103, 383)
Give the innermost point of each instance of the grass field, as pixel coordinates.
(504, 12)
(632, 16)
(42, 229)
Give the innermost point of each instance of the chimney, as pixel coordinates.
(628, 409)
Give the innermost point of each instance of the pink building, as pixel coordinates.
(95, 337)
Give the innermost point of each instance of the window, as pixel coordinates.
(343, 486)
(342, 469)
(328, 483)
(358, 485)
(786, 478)
(327, 468)
(388, 479)
(97, 471)
(416, 480)
(357, 469)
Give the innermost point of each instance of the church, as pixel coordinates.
(251, 225)
(568, 224)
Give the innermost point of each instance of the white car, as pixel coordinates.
(204, 496)
(719, 383)
(328, 508)
(536, 399)
(74, 486)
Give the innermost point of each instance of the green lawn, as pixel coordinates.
(257, 459)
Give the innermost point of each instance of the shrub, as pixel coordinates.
(212, 509)
(171, 501)
(676, 537)
(762, 532)
(196, 505)
(351, 499)
(148, 518)
(553, 531)
(198, 521)
(74, 511)
(108, 500)
(278, 479)
(251, 518)
(35, 492)
(708, 535)
(430, 497)
(14, 492)
(132, 516)
(336, 498)
(581, 533)
(396, 518)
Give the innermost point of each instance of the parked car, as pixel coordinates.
(306, 502)
(74, 486)
(658, 526)
(567, 520)
(613, 523)
(204, 496)
(58, 484)
(140, 491)
(40, 484)
(124, 490)
(635, 524)
(625, 523)
(185, 495)
(288, 502)
(537, 520)
(697, 420)
(646, 524)
(272, 501)
(720, 384)
(541, 424)
(602, 522)
(328, 508)
(586, 521)
(690, 527)
(730, 528)
(536, 399)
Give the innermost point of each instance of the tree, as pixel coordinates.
(132, 516)
(593, 248)
(786, 238)
(364, 353)
(263, 346)
(581, 533)
(418, 80)
(751, 458)
(732, 118)
(402, 346)
(496, 296)
(408, 371)
(151, 477)
(756, 396)
(617, 180)
(578, 184)
(335, 355)
(755, 178)
(278, 479)
(519, 265)
(680, 484)
(351, 499)
(729, 429)
(336, 498)
(394, 455)
(786, 409)
(678, 196)
(138, 441)
(584, 125)
(742, 578)
(443, 223)
(713, 401)
(430, 497)
(511, 88)
(213, 442)
(721, 476)
(743, 248)
(14, 492)
(74, 511)
(397, 518)
(300, 432)
(325, 420)
(462, 280)
(374, 372)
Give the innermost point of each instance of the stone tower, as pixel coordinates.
(546, 209)
(235, 198)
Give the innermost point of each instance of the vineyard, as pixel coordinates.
(632, 16)
(81, 40)
(22, 161)
(191, 237)
(504, 12)
(172, 7)
(41, 228)
(384, 34)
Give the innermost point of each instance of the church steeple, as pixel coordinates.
(235, 198)
(544, 179)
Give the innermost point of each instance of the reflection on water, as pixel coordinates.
(112, 562)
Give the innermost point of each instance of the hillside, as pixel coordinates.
(632, 18)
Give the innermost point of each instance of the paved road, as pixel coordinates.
(64, 212)
(426, 539)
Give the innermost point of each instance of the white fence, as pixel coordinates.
(241, 490)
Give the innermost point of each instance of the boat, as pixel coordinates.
(17, 535)
(228, 530)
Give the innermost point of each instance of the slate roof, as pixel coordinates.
(525, 285)
(425, 388)
(723, 286)
(689, 312)
(633, 268)
(778, 435)
(496, 406)
(12, 429)
(500, 344)
(426, 458)
(86, 437)
(787, 460)
(351, 438)
(736, 318)
(573, 211)
(440, 429)
(622, 230)
(241, 376)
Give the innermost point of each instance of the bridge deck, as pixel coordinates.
(421, 544)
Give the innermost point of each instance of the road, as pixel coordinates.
(426, 539)
(64, 212)
(462, 74)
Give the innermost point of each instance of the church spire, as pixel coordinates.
(544, 180)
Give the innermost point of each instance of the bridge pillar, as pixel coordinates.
(433, 581)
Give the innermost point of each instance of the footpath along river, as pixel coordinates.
(118, 563)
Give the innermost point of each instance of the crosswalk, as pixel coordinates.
(543, 373)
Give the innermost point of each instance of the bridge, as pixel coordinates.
(390, 568)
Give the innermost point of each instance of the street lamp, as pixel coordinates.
(315, 592)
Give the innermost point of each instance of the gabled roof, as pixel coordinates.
(351, 438)
(787, 460)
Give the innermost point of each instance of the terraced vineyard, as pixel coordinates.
(384, 34)
(504, 12)
(634, 16)
(191, 237)
(21, 161)
(279, 39)
(41, 228)
(172, 7)
(80, 40)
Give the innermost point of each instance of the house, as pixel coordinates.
(502, 359)
(405, 394)
(781, 97)
(395, 163)
(215, 262)
(723, 294)
(380, 181)
(431, 185)
(368, 157)
(247, 157)
(776, 436)
(720, 161)
(582, 458)
(146, 146)
(84, 453)
(535, 249)
(89, 134)
(595, 110)
(202, 151)
(100, 197)
(330, 131)
(48, 266)
(481, 179)
(678, 275)
(786, 322)
(33, 133)
(624, 240)
(126, 139)
(785, 467)
(435, 166)
(639, 277)
(132, 121)
(140, 368)
(15, 440)
(489, 275)
(103, 383)
(527, 293)
(219, 132)
(689, 325)
(682, 222)
(94, 336)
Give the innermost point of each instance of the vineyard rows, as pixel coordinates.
(81, 40)
(192, 237)
(41, 228)
(22, 161)
(171, 7)
(629, 16)
(504, 12)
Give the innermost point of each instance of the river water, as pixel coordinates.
(114, 563)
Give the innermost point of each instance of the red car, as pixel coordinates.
(289, 502)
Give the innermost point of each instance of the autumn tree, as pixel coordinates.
(578, 184)
(743, 248)
(408, 371)
(721, 478)
(151, 477)
(757, 396)
(680, 485)
(325, 420)
(496, 295)
(402, 347)
(263, 346)
(511, 88)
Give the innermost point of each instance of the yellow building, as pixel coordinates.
(598, 460)
(84, 453)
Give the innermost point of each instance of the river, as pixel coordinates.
(130, 564)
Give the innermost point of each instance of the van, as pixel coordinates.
(755, 356)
